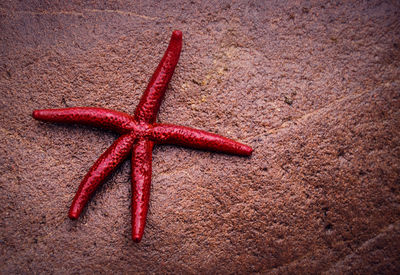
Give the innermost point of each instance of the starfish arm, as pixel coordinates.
(99, 117)
(141, 181)
(180, 135)
(103, 167)
(150, 102)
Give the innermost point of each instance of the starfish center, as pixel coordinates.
(142, 129)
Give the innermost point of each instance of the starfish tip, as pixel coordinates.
(35, 114)
(73, 215)
(177, 34)
(245, 150)
(136, 238)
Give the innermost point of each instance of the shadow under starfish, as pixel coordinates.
(139, 133)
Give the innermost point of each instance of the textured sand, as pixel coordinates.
(313, 87)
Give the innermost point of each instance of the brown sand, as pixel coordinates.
(313, 87)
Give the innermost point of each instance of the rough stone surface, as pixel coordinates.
(313, 86)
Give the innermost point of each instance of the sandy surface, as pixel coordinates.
(313, 87)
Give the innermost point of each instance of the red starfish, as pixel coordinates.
(139, 133)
